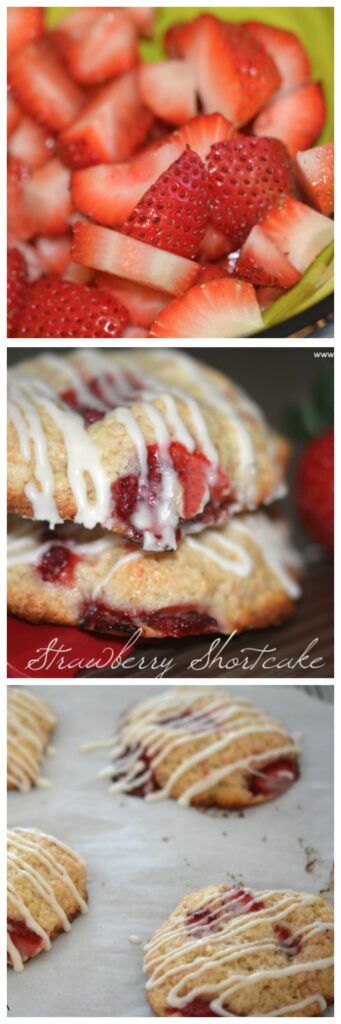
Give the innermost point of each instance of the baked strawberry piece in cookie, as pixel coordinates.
(149, 446)
(203, 747)
(240, 577)
(236, 952)
(46, 890)
(30, 723)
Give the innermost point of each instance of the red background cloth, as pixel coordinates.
(70, 651)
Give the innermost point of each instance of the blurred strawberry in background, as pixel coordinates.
(312, 424)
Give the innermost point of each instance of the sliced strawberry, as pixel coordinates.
(143, 304)
(20, 223)
(211, 272)
(287, 52)
(179, 38)
(263, 263)
(24, 25)
(77, 274)
(300, 232)
(173, 214)
(316, 175)
(296, 118)
(110, 128)
(73, 26)
(168, 90)
(31, 143)
(246, 177)
(204, 131)
(26, 942)
(58, 565)
(275, 778)
(266, 296)
(234, 74)
(214, 244)
(109, 194)
(14, 114)
(43, 86)
(46, 196)
(143, 18)
(54, 254)
(134, 332)
(219, 309)
(16, 288)
(193, 471)
(105, 48)
(60, 309)
(114, 253)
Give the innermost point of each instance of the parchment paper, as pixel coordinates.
(142, 858)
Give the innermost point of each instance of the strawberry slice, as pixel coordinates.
(274, 778)
(173, 214)
(14, 114)
(134, 332)
(46, 197)
(110, 128)
(16, 288)
(211, 272)
(114, 253)
(300, 232)
(316, 175)
(143, 304)
(72, 28)
(287, 52)
(58, 565)
(214, 244)
(263, 263)
(31, 143)
(296, 118)
(60, 309)
(233, 72)
(246, 177)
(218, 309)
(43, 86)
(106, 47)
(26, 941)
(266, 296)
(53, 253)
(143, 18)
(179, 38)
(109, 194)
(24, 25)
(193, 471)
(168, 90)
(20, 224)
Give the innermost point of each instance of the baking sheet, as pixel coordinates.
(142, 858)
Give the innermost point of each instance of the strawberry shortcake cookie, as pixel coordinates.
(30, 723)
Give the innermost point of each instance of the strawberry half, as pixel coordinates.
(24, 25)
(300, 232)
(316, 176)
(315, 489)
(143, 304)
(14, 114)
(114, 253)
(168, 90)
(109, 194)
(219, 309)
(233, 72)
(43, 86)
(263, 263)
(106, 47)
(31, 143)
(109, 129)
(287, 52)
(193, 471)
(173, 214)
(246, 177)
(60, 309)
(16, 288)
(296, 118)
(46, 198)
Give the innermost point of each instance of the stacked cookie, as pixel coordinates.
(137, 486)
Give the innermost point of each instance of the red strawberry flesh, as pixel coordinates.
(26, 941)
(16, 288)
(61, 309)
(58, 565)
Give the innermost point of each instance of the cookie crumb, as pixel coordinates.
(135, 940)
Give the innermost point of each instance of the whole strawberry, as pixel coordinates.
(62, 309)
(247, 176)
(315, 489)
(16, 288)
(173, 213)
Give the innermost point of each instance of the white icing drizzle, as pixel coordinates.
(132, 557)
(122, 382)
(197, 951)
(278, 554)
(222, 722)
(239, 562)
(29, 724)
(24, 850)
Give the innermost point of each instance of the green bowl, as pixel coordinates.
(315, 27)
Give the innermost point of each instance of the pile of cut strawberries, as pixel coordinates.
(174, 199)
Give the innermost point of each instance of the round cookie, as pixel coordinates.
(46, 890)
(30, 723)
(235, 952)
(243, 576)
(202, 746)
(148, 445)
